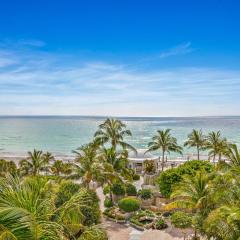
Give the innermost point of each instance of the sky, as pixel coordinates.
(120, 58)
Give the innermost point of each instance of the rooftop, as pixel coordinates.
(141, 155)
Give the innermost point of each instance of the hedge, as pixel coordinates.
(118, 189)
(136, 177)
(131, 190)
(129, 204)
(168, 178)
(107, 202)
(145, 194)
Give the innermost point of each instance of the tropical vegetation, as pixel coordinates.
(28, 210)
(129, 204)
(46, 198)
(164, 142)
(196, 139)
(170, 177)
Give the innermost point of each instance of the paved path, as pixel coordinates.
(117, 231)
(157, 235)
(135, 235)
(114, 230)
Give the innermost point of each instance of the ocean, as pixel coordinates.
(63, 134)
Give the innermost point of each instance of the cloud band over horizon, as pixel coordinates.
(36, 82)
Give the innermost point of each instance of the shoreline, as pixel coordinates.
(18, 156)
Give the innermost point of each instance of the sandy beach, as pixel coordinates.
(16, 156)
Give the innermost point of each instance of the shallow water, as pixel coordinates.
(61, 135)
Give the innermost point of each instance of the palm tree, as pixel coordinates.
(196, 139)
(24, 167)
(34, 163)
(67, 168)
(193, 193)
(57, 167)
(7, 167)
(113, 131)
(118, 160)
(164, 142)
(216, 145)
(47, 158)
(109, 176)
(232, 153)
(223, 222)
(87, 164)
(27, 211)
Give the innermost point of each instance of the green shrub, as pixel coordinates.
(147, 213)
(131, 190)
(66, 190)
(145, 194)
(120, 217)
(109, 212)
(94, 233)
(160, 224)
(106, 189)
(181, 220)
(118, 189)
(136, 222)
(136, 177)
(129, 204)
(168, 178)
(149, 167)
(143, 218)
(191, 167)
(107, 202)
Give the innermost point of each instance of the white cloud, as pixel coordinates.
(42, 83)
(181, 49)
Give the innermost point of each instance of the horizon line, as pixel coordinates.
(114, 116)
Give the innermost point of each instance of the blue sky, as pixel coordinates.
(122, 58)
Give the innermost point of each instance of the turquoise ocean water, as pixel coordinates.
(61, 135)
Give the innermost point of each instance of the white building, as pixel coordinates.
(136, 159)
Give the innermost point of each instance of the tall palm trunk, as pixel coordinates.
(114, 144)
(214, 156)
(34, 172)
(220, 157)
(88, 184)
(195, 234)
(198, 153)
(163, 156)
